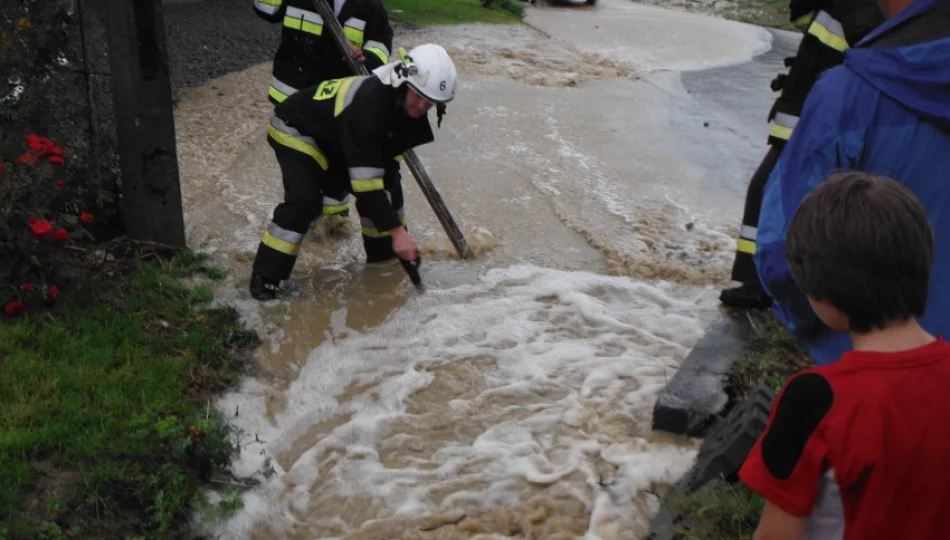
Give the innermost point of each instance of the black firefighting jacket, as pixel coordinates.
(830, 27)
(308, 53)
(361, 123)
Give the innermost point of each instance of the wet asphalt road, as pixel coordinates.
(209, 38)
(737, 98)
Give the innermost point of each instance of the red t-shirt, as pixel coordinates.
(880, 422)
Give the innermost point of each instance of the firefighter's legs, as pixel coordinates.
(303, 203)
(377, 244)
(750, 294)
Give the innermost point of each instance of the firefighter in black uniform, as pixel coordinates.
(830, 27)
(308, 54)
(338, 137)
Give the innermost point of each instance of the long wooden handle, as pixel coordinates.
(415, 166)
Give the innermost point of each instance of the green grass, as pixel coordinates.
(771, 356)
(429, 12)
(769, 13)
(105, 425)
(730, 512)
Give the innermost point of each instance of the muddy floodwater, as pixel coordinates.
(512, 399)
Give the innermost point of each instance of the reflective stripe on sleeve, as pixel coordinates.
(379, 49)
(269, 7)
(303, 20)
(353, 30)
(370, 230)
(829, 31)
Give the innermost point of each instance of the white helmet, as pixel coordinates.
(431, 73)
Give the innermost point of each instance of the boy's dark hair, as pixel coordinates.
(863, 244)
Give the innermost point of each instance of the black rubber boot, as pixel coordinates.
(746, 296)
(263, 289)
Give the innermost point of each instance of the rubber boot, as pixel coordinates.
(263, 289)
(746, 296)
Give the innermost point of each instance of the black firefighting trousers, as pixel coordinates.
(743, 267)
(311, 190)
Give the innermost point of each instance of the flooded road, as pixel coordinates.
(513, 399)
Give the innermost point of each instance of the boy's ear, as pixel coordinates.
(833, 317)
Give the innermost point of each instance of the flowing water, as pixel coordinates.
(512, 399)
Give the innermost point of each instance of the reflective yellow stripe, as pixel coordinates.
(828, 31)
(335, 209)
(303, 26)
(371, 184)
(282, 246)
(400, 158)
(298, 145)
(802, 22)
(269, 7)
(276, 94)
(353, 30)
(745, 246)
(379, 49)
(780, 132)
(783, 125)
(341, 101)
(373, 232)
(303, 20)
(379, 53)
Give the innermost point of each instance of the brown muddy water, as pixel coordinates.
(513, 399)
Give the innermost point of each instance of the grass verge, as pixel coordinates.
(106, 430)
(769, 13)
(428, 12)
(732, 510)
(772, 355)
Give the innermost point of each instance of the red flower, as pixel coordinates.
(86, 217)
(13, 307)
(56, 160)
(28, 159)
(26, 286)
(60, 183)
(61, 235)
(41, 227)
(52, 292)
(43, 146)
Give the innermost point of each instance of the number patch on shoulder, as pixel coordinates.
(328, 89)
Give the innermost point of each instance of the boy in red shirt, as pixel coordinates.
(860, 449)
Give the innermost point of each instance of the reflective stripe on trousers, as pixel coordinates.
(282, 240)
(783, 125)
(369, 228)
(829, 31)
(746, 242)
(303, 20)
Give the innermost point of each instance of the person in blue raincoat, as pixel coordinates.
(886, 111)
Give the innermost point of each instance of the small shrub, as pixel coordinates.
(38, 220)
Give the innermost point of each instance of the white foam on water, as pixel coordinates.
(555, 378)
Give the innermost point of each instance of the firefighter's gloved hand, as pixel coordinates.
(404, 244)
